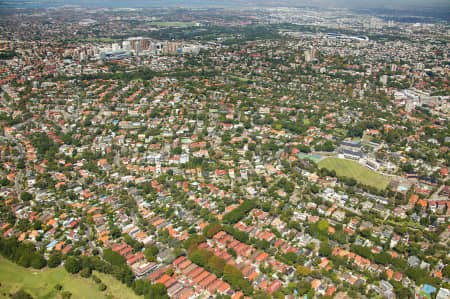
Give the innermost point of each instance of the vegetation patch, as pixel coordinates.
(41, 283)
(351, 169)
(173, 24)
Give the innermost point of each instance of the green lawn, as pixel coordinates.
(312, 157)
(238, 78)
(116, 288)
(40, 283)
(355, 170)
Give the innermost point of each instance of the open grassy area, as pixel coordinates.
(355, 170)
(314, 158)
(115, 288)
(41, 283)
(239, 78)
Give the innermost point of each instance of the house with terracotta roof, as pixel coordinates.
(331, 290)
(275, 285)
(138, 257)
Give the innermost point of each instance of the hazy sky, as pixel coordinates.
(442, 5)
(357, 3)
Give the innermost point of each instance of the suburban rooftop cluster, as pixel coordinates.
(230, 153)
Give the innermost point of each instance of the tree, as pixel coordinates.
(239, 213)
(58, 287)
(102, 287)
(216, 265)
(151, 252)
(24, 260)
(315, 189)
(234, 277)
(72, 265)
(38, 262)
(25, 196)
(326, 147)
(366, 233)
(212, 229)
(21, 163)
(4, 182)
(115, 232)
(400, 264)
(290, 257)
(54, 260)
(303, 287)
(200, 256)
(86, 273)
(192, 242)
(303, 271)
(21, 294)
(232, 252)
(113, 257)
(417, 274)
(260, 294)
(383, 258)
(158, 290)
(403, 293)
(446, 271)
(170, 271)
(319, 229)
(325, 249)
(96, 279)
(133, 243)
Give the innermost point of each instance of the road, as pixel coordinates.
(351, 210)
(435, 195)
(18, 178)
(89, 237)
(117, 159)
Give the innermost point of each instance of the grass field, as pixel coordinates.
(355, 170)
(40, 283)
(314, 158)
(239, 78)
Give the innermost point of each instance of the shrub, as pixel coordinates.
(21, 294)
(86, 273)
(58, 287)
(102, 287)
(96, 279)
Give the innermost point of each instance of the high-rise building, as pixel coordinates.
(126, 45)
(309, 54)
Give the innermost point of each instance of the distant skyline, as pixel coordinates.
(355, 4)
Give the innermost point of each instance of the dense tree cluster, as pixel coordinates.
(24, 254)
(212, 229)
(5, 55)
(239, 213)
(44, 144)
(120, 271)
(132, 242)
(151, 252)
(113, 257)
